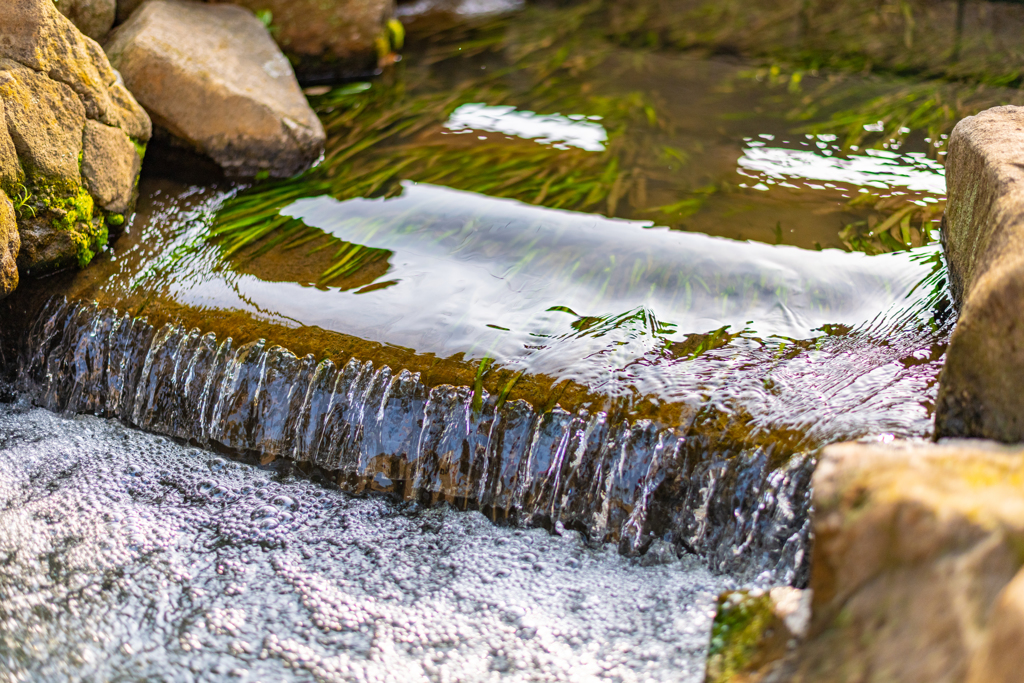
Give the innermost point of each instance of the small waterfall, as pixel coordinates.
(743, 508)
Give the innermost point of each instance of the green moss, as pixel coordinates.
(741, 622)
(140, 148)
(68, 207)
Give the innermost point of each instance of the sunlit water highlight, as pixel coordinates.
(556, 130)
(877, 169)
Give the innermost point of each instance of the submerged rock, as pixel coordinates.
(54, 84)
(983, 235)
(92, 17)
(339, 31)
(915, 545)
(213, 78)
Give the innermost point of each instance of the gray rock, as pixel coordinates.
(660, 552)
(110, 166)
(983, 236)
(10, 243)
(212, 76)
(94, 18)
(998, 658)
(913, 545)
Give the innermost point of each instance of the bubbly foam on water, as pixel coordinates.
(124, 554)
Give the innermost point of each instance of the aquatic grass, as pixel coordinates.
(896, 223)
(383, 134)
(551, 60)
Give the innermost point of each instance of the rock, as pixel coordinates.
(10, 243)
(45, 119)
(63, 108)
(125, 9)
(983, 236)
(10, 168)
(39, 38)
(913, 544)
(212, 76)
(92, 17)
(660, 552)
(110, 165)
(339, 30)
(753, 631)
(998, 660)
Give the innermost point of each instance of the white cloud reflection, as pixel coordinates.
(875, 168)
(556, 130)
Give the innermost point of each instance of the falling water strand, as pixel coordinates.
(378, 430)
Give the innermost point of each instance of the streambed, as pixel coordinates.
(557, 303)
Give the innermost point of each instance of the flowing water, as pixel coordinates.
(607, 298)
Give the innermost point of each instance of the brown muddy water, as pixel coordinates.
(585, 313)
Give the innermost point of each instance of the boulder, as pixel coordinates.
(211, 76)
(56, 88)
(94, 18)
(915, 546)
(983, 237)
(331, 31)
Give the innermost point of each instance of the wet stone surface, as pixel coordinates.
(126, 556)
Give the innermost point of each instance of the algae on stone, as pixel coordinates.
(69, 143)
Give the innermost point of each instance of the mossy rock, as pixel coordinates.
(71, 139)
(746, 635)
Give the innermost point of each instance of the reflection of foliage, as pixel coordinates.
(917, 37)
(697, 344)
(896, 224)
(380, 135)
(549, 60)
(931, 108)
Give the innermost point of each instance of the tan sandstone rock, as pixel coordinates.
(125, 9)
(337, 30)
(45, 119)
(10, 243)
(57, 91)
(110, 166)
(94, 18)
(38, 37)
(212, 76)
(983, 236)
(914, 544)
(1001, 657)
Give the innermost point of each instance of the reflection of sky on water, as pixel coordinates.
(875, 168)
(561, 132)
(462, 8)
(566, 294)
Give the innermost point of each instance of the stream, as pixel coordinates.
(528, 370)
